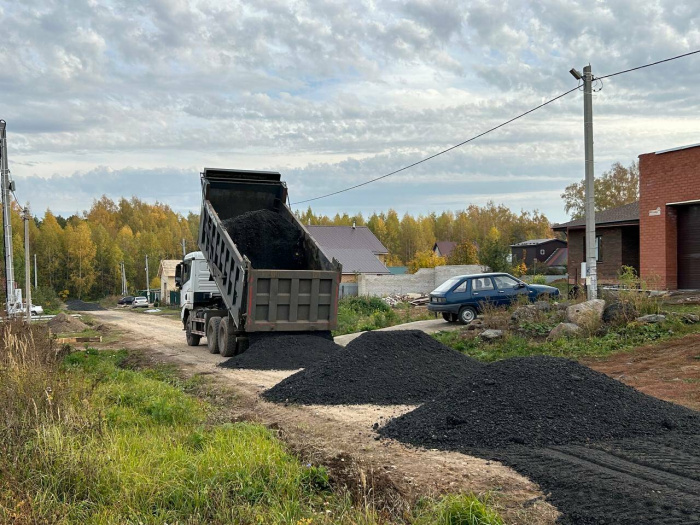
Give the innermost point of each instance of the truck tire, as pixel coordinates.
(213, 335)
(467, 315)
(192, 339)
(227, 338)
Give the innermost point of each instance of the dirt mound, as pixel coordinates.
(284, 352)
(537, 401)
(386, 368)
(64, 323)
(269, 241)
(76, 305)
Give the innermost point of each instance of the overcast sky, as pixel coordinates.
(135, 97)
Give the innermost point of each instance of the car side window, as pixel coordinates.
(483, 284)
(461, 288)
(505, 283)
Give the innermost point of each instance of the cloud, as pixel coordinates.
(102, 97)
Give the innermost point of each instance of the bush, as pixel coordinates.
(363, 305)
(47, 298)
(539, 279)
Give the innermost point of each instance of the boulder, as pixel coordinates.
(652, 318)
(586, 313)
(524, 313)
(543, 306)
(619, 312)
(562, 306)
(690, 318)
(563, 330)
(476, 324)
(491, 335)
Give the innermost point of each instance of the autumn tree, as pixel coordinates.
(426, 259)
(80, 252)
(50, 251)
(616, 187)
(494, 251)
(465, 253)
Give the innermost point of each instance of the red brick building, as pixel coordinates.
(669, 217)
(659, 235)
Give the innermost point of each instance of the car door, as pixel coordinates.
(509, 289)
(459, 294)
(484, 291)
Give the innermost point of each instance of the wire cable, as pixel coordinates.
(649, 65)
(440, 152)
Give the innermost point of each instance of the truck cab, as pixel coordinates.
(197, 289)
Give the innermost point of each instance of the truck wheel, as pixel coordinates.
(192, 339)
(213, 335)
(227, 338)
(467, 315)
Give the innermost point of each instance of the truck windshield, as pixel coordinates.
(447, 285)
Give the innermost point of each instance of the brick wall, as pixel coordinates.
(423, 281)
(664, 178)
(613, 252)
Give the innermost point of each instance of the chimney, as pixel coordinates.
(353, 225)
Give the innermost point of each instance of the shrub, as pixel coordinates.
(363, 305)
(47, 298)
(539, 279)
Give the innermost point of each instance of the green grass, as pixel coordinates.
(616, 339)
(359, 314)
(88, 332)
(112, 445)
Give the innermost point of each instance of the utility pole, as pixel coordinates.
(591, 268)
(121, 268)
(7, 185)
(184, 248)
(35, 273)
(148, 283)
(27, 265)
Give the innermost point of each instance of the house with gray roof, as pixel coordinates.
(356, 248)
(539, 250)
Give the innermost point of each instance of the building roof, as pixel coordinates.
(445, 247)
(676, 149)
(356, 260)
(534, 242)
(621, 214)
(347, 237)
(167, 267)
(559, 257)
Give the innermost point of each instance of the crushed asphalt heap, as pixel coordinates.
(537, 401)
(603, 452)
(268, 240)
(385, 368)
(76, 305)
(63, 323)
(284, 351)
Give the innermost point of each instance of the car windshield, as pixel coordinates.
(444, 287)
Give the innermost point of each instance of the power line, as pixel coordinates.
(490, 130)
(649, 65)
(440, 152)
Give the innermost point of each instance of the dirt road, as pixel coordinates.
(340, 437)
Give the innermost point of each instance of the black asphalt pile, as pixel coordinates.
(283, 352)
(76, 305)
(537, 401)
(269, 241)
(386, 368)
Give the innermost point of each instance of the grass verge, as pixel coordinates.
(360, 314)
(599, 344)
(83, 440)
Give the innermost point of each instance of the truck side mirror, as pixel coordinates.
(178, 276)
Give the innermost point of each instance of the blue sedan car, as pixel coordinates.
(461, 298)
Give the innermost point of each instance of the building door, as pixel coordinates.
(689, 247)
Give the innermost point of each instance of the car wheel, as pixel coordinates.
(213, 335)
(467, 315)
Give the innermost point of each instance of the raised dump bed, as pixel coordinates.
(295, 288)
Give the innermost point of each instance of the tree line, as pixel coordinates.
(79, 256)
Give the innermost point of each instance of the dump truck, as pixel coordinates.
(224, 297)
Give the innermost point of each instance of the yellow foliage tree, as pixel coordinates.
(425, 259)
(80, 251)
